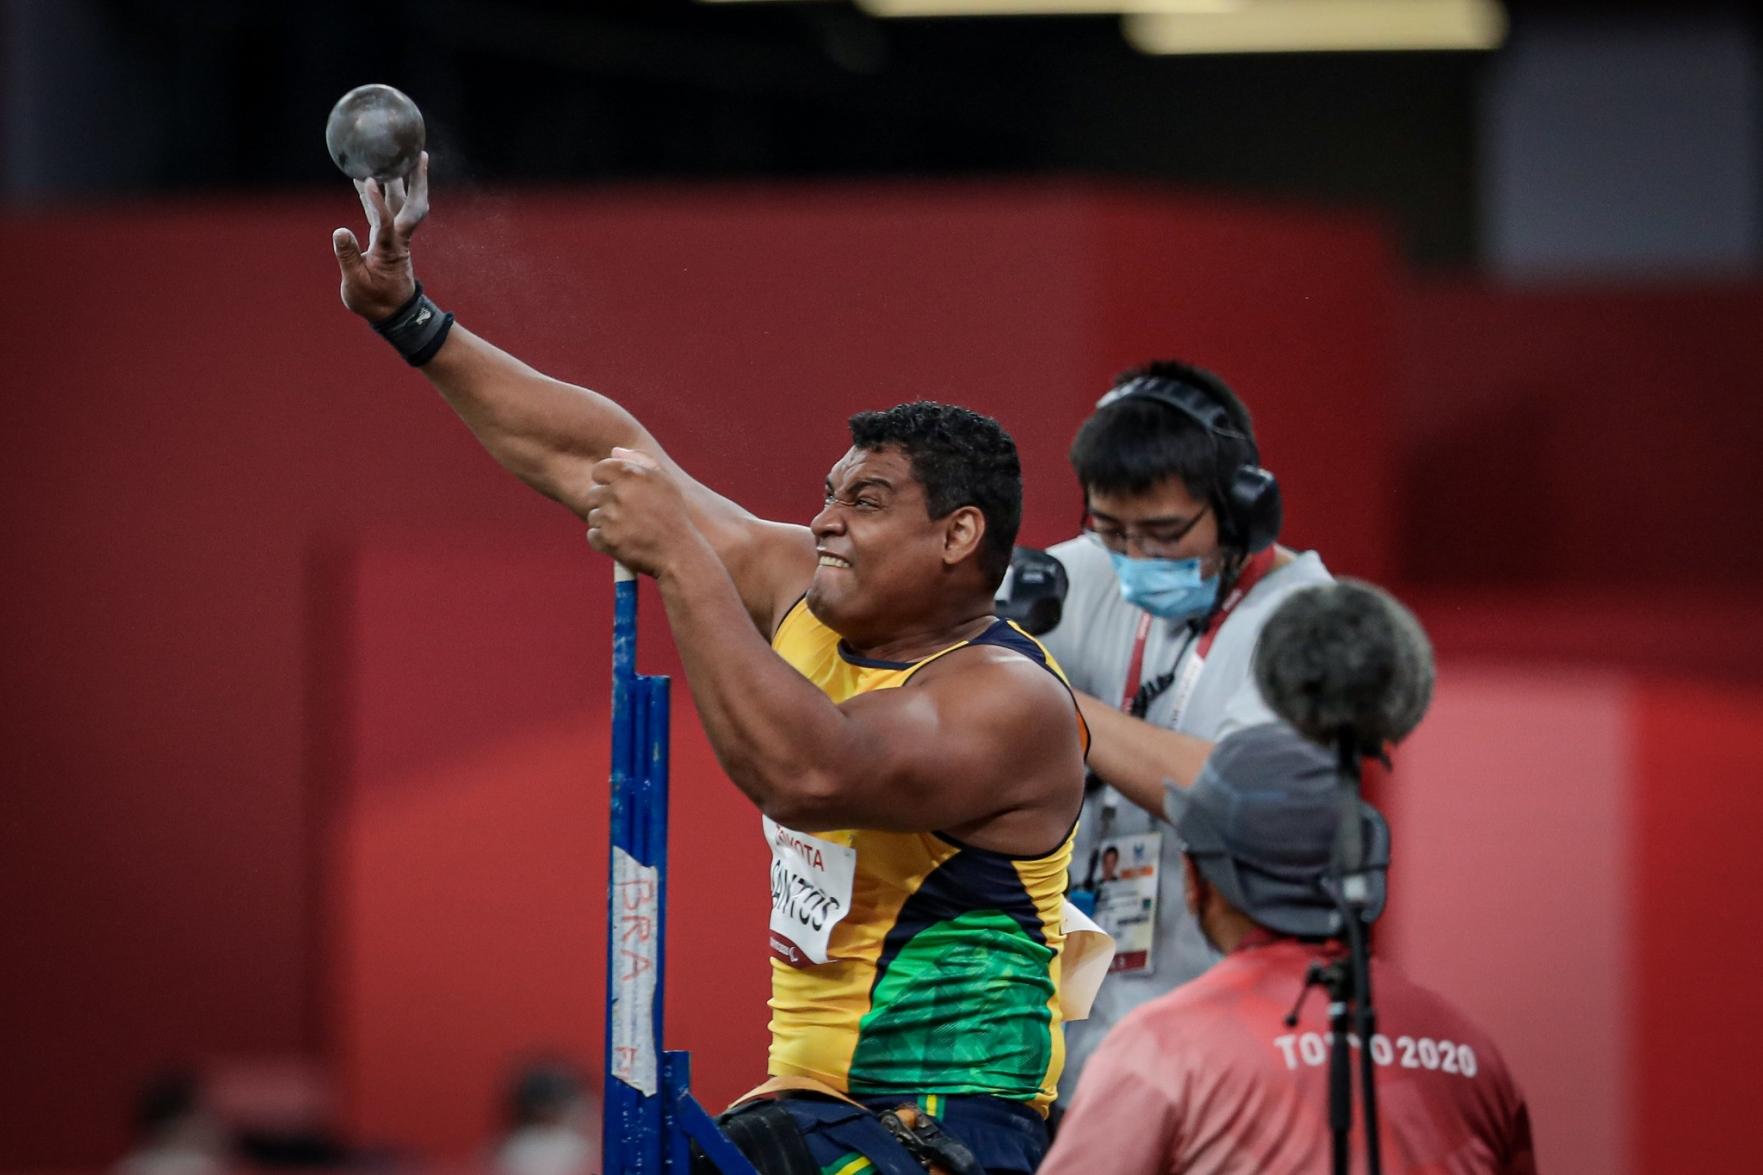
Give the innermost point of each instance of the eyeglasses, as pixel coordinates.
(1157, 542)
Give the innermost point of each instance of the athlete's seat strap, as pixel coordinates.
(916, 1134)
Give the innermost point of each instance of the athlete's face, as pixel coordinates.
(883, 558)
(1163, 522)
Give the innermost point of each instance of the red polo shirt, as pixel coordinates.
(1208, 1078)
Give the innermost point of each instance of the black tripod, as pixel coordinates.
(1351, 1017)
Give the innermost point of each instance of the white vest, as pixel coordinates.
(1093, 644)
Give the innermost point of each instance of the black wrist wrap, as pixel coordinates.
(417, 328)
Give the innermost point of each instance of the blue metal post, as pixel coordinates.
(651, 1118)
(617, 1134)
(654, 815)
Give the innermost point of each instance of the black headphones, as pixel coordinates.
(1246, 496)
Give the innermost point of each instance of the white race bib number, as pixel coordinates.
(811, 880)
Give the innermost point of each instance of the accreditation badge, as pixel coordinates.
(811, 882)
(1124, 880)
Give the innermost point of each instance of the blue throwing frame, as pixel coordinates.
(651, 1117)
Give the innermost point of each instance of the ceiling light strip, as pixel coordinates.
(1315, 26)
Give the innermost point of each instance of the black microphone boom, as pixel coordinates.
(1346, 660)
(1351, 669)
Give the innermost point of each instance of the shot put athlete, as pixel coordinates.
(918, 764)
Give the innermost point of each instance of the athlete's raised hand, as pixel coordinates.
(380, 280)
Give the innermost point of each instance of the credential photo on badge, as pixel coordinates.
(1120, 893)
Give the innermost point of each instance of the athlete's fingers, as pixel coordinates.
(416, 202)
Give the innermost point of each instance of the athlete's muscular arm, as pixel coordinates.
(1136, 756)
(983, 745)
(547, 432)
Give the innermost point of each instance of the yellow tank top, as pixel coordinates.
(910, 963)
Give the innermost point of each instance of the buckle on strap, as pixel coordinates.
(924, 1138)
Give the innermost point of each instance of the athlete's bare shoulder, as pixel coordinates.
(1025, 743)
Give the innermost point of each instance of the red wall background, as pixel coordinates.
(1570, 853)
(1596, 439)
(304, 696)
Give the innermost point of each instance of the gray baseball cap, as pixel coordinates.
(1260, 825)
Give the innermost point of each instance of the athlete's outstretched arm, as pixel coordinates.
(547, 432)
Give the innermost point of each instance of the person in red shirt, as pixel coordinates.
(1209, 1078)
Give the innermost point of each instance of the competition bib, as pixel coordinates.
(811, 882)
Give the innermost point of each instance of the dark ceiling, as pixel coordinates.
(199, 94)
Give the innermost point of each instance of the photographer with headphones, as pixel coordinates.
(1165, 594)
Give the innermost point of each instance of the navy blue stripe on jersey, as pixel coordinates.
(965, 882)
(1007, 636)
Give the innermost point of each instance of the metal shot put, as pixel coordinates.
(375, 132)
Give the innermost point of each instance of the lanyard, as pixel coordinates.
(1136, 667)
(1138, 694)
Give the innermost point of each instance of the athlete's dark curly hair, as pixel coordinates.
(961, 459)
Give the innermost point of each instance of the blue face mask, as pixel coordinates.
(1171, 589)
